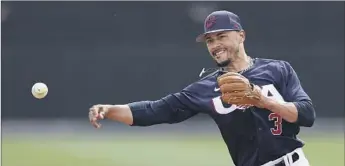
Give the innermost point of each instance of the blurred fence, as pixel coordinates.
(118, 52)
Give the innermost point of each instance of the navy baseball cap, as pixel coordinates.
(219, 21)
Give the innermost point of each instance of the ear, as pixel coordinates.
(242, 36)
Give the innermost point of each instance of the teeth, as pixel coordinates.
(219, 52)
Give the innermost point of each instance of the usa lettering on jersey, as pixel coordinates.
(268, 91)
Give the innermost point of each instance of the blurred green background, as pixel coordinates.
(73, 143)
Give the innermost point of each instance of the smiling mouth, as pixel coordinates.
(218, 52)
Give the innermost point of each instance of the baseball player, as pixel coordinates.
(258, 104)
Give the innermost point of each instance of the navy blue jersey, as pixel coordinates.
(253, 136)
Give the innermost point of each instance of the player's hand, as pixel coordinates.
(96, 113)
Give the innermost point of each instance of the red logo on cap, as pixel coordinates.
(236, 26)
(210, 22)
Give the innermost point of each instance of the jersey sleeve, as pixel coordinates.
(173, 108)
(295, 93)
(293, 87)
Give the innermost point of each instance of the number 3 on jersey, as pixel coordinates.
(277, 130)
(272, 92)
(267, 90)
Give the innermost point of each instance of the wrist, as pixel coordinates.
(108, 110)
(120, 113)
(268, 103)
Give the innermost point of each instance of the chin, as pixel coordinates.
(223, 63)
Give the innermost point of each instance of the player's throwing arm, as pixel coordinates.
(121, 113)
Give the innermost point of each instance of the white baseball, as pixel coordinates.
(39, 90)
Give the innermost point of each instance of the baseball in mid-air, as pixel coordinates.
(39, 90)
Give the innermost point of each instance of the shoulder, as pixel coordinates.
(275, 62)
(204, 82)
(280, 65)
(273, 69)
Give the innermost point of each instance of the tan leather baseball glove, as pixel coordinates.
(236, 89)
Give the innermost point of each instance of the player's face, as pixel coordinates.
(224, 46)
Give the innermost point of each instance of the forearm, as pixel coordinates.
(147, 113)
(136, 113)
(139, 113)
(300, 112)
(169, 109)
(166, 110)
(287, 111)
(120, 113)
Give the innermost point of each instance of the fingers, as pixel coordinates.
(101, 115)
(95, 114)
(101, 112)
(98, 112)
(96, 124)
(93, 118)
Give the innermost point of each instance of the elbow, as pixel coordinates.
(309, 122)
(306, 114)
(311, 116)
(142, 114)
(149, 113)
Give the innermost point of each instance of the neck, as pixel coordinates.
(239, 63)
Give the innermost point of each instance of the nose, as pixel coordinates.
(214, 44)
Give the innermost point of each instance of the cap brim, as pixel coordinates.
(201, 37)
